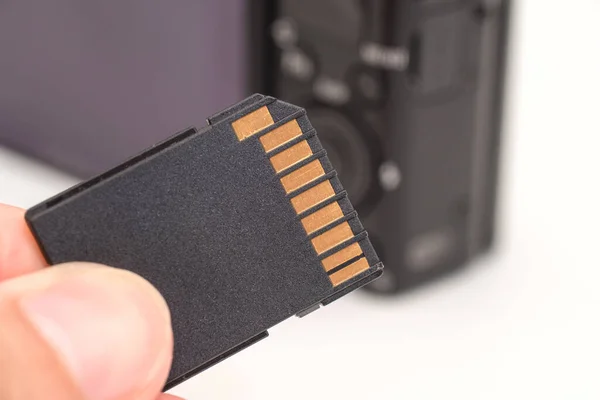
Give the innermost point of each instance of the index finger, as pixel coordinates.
(19, 253)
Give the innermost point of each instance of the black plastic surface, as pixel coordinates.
(205, 219)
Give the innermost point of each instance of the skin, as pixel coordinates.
(76, 331)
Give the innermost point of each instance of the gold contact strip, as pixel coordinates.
(346, 254)
(349, 272)
(313, 196)
(280, 135)
(321, 218)
(261, 119)
(252, 123)
(302, 176)
(331, 238)
(291, 156)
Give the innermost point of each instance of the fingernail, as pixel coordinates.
(110, 334)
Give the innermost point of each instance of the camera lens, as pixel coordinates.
(347, 151)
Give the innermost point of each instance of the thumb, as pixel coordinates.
(83, 331)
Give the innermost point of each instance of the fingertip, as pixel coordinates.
(169, 397)
(19, 252)
(109, 328)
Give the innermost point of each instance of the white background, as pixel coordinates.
(522, 323)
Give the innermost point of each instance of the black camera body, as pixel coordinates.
(405, 94)
(407, 98)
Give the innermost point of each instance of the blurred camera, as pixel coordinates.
(407, 98)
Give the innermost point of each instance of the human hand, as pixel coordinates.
(76, 331)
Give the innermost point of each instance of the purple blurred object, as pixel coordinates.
(86, 84)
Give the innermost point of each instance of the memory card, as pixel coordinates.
(239, 225)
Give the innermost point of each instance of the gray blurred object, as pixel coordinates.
(85, 84)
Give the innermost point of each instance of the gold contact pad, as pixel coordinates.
(302, 176)
(291, 156)
(281, 135)
(331, 238)
(347, 253)
(349, 272)
(313, 196)
(321, 218)
(254, 122)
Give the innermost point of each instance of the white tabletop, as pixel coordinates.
(522, 323)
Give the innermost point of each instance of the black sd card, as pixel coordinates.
(239, 225)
